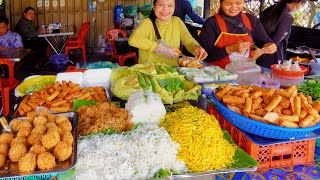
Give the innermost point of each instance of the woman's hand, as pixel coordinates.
(239, 47)
(269, 48)
(199, 53)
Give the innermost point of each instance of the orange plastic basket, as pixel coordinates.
(270, 156)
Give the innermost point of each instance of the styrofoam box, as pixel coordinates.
(75, 77)
(97, 77)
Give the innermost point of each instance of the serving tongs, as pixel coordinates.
(306, 48)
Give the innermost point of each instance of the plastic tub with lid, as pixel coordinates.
(246, 68)
(288, 78)
(97, 77)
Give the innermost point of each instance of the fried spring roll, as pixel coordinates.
(274, 103)
(234, 100)
(289, 118)
(247, 107)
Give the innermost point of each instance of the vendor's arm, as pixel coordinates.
(139, 37)
(209, 34)
(190, 43)
(192, 14)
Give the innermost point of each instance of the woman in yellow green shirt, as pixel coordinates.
(158, 37)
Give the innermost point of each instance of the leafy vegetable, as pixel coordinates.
(311, 88)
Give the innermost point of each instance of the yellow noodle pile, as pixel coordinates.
(202, 145)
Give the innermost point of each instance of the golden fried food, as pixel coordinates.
(4, 148)
(50, 139)
(37, 149)
(14, 124)
(6, 138)
(25, 124)
(61, 119)
(2, 160)
(28, 163)
(19, 140)
(67, 137)
(34, 139)
(65, 126)
(52, 118)
(57, 129)
(30, 116)
(44, 113)
(46, 161)
(40, 120)
(98, 117)
(316, 106)
(39, 129)
(50, 124)
(25, 132)
(62, 151)
(17, 151)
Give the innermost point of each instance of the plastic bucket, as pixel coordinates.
(58, 62)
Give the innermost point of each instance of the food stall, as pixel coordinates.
(157, 121)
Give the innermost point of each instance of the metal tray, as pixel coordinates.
(10, 169)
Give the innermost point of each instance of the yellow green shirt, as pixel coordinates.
(172, 33)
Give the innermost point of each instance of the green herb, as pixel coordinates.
(311, 88)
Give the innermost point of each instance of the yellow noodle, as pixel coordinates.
(202, 145)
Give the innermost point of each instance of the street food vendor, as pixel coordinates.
(158, 37)
(277, 20)
(233, 32)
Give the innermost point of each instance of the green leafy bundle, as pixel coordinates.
(311, 88)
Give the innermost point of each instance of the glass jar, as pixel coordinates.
(247, 70)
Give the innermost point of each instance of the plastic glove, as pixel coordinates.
(168, 51)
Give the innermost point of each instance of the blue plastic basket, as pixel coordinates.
(35, 177)
(259, 128)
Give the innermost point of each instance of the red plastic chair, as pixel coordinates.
(6, 84)
(79, 42)
(111, 35)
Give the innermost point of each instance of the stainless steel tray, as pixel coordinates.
(10, 169)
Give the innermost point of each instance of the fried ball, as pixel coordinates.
(37, 149)
(62, 151)
(25, 124)
(34, 139)
(68, 138)
(50, 139)
(28, 163)
(61, 119)
(4, 148)
(65, 126)
(6, 138)
(16, 152)
(46, 161)
(14, 124)
(40, 120)
(52, 118)
(25, 132)
(19, 140)
(2, 160)
(50, 124)
(30, 116)
(43, 113)
(40, 129)
(57, 129)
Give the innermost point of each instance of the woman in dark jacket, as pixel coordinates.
(277, 20)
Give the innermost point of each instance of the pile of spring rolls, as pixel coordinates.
(283, 107)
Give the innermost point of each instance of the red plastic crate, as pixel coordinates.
(270, 156)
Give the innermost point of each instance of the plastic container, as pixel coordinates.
(97, 77)
(267, 83)
(260, 128)
(246, 68)
(75, 77)
(288, 78)
(59, 62)
(273, 155)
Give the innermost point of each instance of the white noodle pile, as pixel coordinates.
(139, 154)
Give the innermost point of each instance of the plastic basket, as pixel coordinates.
(273, 155)
(36, 177)
(262, 129)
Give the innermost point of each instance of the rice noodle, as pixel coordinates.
(139, 154)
